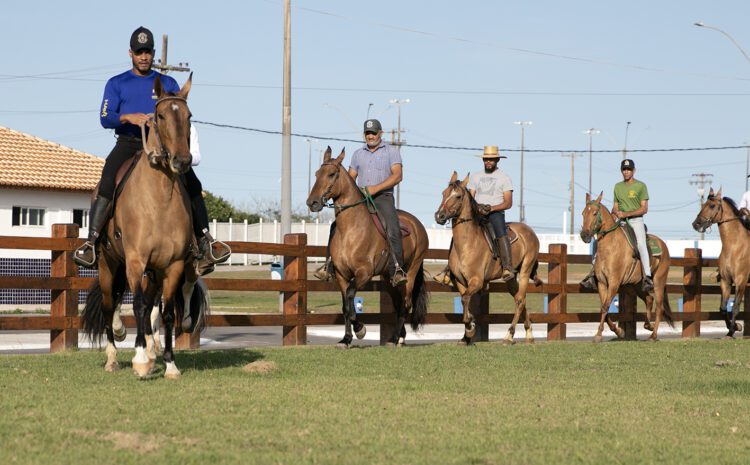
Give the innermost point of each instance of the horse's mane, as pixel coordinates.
(735, 210)
(474, 205)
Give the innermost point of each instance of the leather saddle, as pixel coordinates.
(489, 234)
(405, 230)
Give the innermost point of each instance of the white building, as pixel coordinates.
(42, 183)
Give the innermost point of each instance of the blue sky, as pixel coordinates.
(470, 69)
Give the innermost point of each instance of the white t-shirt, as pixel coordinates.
(745, 202)
(489, 187)
(195, 149)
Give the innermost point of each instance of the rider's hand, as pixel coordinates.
(485, 209)
(620, 214)
(137, 119)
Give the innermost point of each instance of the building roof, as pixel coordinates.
(32, 163)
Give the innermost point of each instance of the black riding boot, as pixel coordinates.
(85, 255)
(589, 282)
(506, 258)
(210, 252)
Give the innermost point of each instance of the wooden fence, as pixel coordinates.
(63, 321)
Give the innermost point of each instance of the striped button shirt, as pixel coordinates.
(375, 167)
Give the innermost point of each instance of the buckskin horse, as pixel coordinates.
(150, 233)
(734, 260)
(618, 268)
(471, 261)
(359, 251)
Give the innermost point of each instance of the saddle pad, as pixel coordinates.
(405, 231)
(653, 246)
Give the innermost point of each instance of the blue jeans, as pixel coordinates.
(497, 219)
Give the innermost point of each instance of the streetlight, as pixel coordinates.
(521, 206)
(590, 132)
(739, 47)
(398, 103)
(625, 147)
(310, 143)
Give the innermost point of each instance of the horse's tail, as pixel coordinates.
(534, 275)
(419, 300)
(667, 314)
(92, 318)
(200, 306)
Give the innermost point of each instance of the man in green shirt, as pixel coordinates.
(631, 203)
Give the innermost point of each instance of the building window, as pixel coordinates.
(81, 218)
(28, 216)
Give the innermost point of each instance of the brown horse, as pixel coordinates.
(471, 261)
(618, 269)
(734, 260)
(359, 252)
(148, 241)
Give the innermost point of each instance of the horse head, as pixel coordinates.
(709, 213)
(592, 217)
(327, 181)
(171, 128)
(453, 199)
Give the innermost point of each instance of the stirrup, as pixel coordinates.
(221, 258)
(401, 274)
(507, 275)
(323, 273)
(81, 250)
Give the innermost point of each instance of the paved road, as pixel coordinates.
(264, 336)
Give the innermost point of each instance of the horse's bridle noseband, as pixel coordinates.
(155, 156)
(452, 216)
(597, 229)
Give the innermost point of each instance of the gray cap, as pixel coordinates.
(141, 39)
(373, 125)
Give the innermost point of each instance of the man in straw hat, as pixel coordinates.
(493, 191)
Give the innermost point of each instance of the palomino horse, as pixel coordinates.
(616, 267)
(150, 232)
(359, 251)
(734, 260)
(471, 262)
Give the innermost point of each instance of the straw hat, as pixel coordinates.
(491, 152)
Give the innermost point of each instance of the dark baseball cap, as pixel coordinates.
(627, 164)
(141, 39)
(373, 125)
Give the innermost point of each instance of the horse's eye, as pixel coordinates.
(330, 175)
(160, 116)
(712, 206)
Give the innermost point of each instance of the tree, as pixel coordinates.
(221, 210)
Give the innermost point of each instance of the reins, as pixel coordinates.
(366, 197)
(596, 230)
(155, 156)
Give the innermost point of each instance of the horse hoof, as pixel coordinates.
(120, 336)
(508, 342)
(648, 326)
(172, 372)
(530, 340)
(620, 333)
(361, 333)
(143, 369)
(471, 330)
(729, 337)
(112, 367)
(597, 339)
(342, 345)
(401, 342)
(738, 327)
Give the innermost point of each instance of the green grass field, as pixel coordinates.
(680, 402)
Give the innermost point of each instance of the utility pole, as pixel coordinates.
(701, 179)
(591, 132)
(396, 140)
(572, 156)
(310, 142)
(521, 205)
(625, 147)
(747, 166)
(286, 126)
(162, 65)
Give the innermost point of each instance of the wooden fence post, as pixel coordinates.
(627, 314)
(389, 299)
(557, 303)
(691, 294)
(295, 303)
(64, 302)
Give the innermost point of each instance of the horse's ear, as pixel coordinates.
(158, 89)
(599, 199)
(327, 155)
(454, 178)
(341, 156)
(718, 194)
(588, 197)
(465, 181)
(186, 87)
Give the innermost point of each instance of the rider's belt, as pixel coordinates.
(128, 137)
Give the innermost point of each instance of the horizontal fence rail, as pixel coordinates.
(64, 283)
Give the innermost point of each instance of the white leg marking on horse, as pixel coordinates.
(172, 372)
(150, 352)
(118, 328)
(155, 326)
(112, 364)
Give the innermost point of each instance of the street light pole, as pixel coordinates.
(625, 147)
(702, 179)
(521, 205)
(742, 50)
(286, 126)
(309, 162)
(397, 141)
(590, 132)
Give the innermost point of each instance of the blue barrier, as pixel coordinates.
(614, 307)
(458, 306)
(277, 271)
(359, 305)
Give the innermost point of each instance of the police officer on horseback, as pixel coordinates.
(377, 169)
(128, 100)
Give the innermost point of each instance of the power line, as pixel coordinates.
(473, 149)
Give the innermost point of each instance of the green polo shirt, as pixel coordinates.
(629, 196)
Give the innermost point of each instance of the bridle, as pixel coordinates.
(325, 197)
(719, 213)
(452, 215)
(160, 154)
(597, 229)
